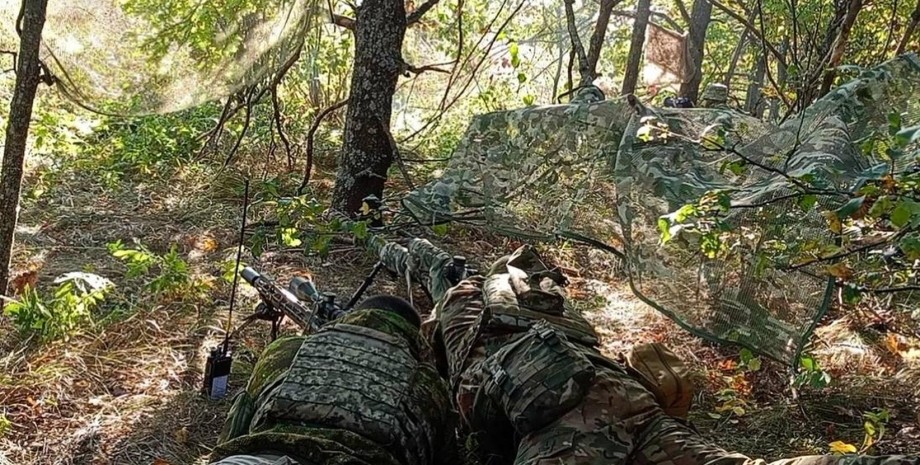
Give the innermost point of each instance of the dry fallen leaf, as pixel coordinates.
(26, 279)
(182, 435)
(840, 447)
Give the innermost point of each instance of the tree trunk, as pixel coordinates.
(840, 45)
(753, 103)
(700, 16)
(28, 75)
(587, 62)
(631, 78)
(911, 27)
(367, 153)
(578, 50)
(597, 38)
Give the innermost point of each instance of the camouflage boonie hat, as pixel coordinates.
(715, 93)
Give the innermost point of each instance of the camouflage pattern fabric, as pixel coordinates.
(741, 292)
(354, 392)
(509, 164)
(605, 173)
(615, 420)
(476, 317)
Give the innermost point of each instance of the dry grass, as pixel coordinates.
(125, 392)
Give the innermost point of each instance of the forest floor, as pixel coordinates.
(125, 390)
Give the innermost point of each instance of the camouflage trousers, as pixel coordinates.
(619, 422)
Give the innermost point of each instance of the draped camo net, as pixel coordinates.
(582, 171)
(153, 56)
(596, 172)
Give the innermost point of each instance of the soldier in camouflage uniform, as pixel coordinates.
(356, 392)
(715, 96)
(529, 383)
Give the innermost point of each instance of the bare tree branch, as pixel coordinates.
(840, 44)
(339, 20)
(909, 31)
(583, 66)
(406, 68)
(250, 101)
(394, 150)
(847, 253)
(416, 15)
(683, 11)
(447, 102)
(343, 21)
(750, 27)
(764, 46)
(655, 14)
(311, 134)
(276, 112)
(597, 38)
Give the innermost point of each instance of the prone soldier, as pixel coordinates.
(358, 391)
(532, 389)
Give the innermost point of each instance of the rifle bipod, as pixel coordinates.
(367, 283)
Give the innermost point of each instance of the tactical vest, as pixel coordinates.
(533, 380)
(379, 391)
(480, 314)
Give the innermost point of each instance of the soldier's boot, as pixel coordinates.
(668, 442)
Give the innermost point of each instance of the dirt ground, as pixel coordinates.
(125, 390)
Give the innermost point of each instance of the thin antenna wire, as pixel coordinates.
(236, 272)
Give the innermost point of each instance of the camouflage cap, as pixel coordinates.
(715, 93)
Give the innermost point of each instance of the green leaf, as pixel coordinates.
(910, 245)
(664, 227)
(522, 78)
(849, 208)
(754, 364)
(515, 58)
(529, 99)
(360, 230)
(894, 123)
(746, 356)
(684, 212)
(851, 295)
(882, 206)
(908, 136)
(289, 237)
(440, 230)
(809, 364)
(904, 212)
(808, 201)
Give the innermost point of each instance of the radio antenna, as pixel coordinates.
(236, 271)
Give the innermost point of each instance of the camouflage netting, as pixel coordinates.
(608, 174)
(145, 56)
(530, 173)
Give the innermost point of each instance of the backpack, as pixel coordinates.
(665, 375)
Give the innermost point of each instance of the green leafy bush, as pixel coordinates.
(299, 222)
(168, 273)
(62, 312)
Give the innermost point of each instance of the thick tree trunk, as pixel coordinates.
(631, 78)
(28, 75)
(367, 154)
(909, 32)
(840, 45)
(700, 16)
(753, 103)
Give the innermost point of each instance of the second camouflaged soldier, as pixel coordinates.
(355, 392)
(530, 385)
